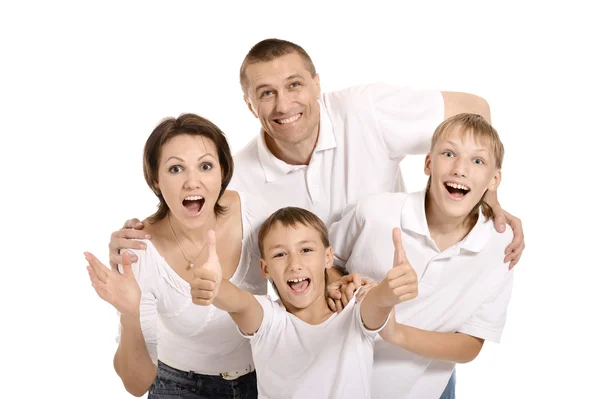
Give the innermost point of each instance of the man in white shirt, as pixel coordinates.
(324, 151)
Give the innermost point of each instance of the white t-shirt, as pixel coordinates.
(465, 288)
(203, 339)
(364, 132)
(295, 359)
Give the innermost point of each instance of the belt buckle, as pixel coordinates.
(227, 376)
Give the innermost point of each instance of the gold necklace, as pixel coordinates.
(192, 262)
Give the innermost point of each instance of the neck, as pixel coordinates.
(293, 153)
(314, 314)
(195, 236)
(444, 230)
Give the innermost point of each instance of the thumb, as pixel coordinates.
(126, 263)
(399, 253)
(211, 244)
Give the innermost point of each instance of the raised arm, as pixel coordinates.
(399, 285)
(209, 288)
(457, 103)
(132, 360)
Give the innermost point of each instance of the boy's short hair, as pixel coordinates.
(292, 216)
(483, 133)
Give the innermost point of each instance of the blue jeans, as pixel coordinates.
(450, 388)
(176, 384)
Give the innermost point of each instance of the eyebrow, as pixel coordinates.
(303, 242)
(181, 160)
(291, 77)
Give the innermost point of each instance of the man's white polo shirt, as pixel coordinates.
(365, 131)
(465, 288)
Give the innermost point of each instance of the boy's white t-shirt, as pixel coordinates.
(295, 359)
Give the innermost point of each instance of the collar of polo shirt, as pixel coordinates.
(414, 219)
(274, 167)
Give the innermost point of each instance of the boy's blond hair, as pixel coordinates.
(482, 132)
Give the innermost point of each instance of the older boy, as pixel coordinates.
(464, 286)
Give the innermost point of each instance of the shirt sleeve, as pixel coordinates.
(405, 118)
(488, 322)
(344, 233)
(365, 331)
(271, 321)
(142, 271)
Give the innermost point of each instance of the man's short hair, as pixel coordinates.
(270, 49)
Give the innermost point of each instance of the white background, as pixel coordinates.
(83, 84)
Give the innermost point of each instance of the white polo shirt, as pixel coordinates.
(365, 131)
(295, 359)
(465, 288)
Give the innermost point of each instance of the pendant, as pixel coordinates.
(192, 265)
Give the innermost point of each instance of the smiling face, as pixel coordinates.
(282, 94)
(295, 258)
(462, 167)
(189, 178)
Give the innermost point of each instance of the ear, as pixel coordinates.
(427, 168)
(493, 186)
(264, 268)
(250, 107)
(317, 80)
(328, 258)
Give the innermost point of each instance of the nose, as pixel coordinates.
(284, 102)
(192, 179)
(460, 168)
(295, 262)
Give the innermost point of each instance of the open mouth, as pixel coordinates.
(291, 119)
(193, 204)
(299, 285)
(457, 191)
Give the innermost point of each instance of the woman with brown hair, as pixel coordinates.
(167, 345)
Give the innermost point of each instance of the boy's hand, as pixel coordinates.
(126, 237)
(207, 278)
(400, 283)
(120, 290)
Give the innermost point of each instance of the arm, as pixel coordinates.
(208, 287)
(242, 306)
(450, 347)
(399, 285)
(132, 362)
(456, 103)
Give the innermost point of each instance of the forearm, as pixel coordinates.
(132, 361)
(451, 347)
(334, 274)
(373, 311)
(241, 305)
(456, 103)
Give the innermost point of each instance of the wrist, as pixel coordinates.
(130, 319)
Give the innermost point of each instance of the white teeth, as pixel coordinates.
(193, 198)
(289, 120)
(297, 280)
(459, 186)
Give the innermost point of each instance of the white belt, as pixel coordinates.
(227, 375)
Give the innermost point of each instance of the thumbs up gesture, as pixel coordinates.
(400, 283)
(120, 290)
(207, 278)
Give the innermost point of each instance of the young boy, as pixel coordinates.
(464, 286)
(301, 348)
